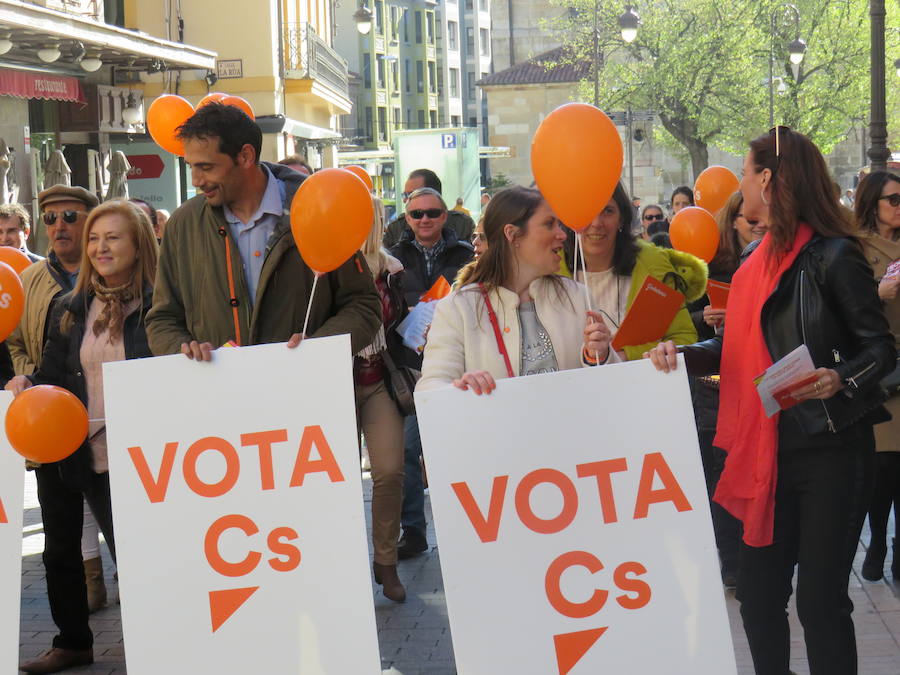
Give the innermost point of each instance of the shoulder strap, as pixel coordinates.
(233, 300)
(493, 318)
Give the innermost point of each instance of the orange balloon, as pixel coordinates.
(12, 300)
(363, 175)
(331, 216)
(239, 102)
(212, 97)
(576, 159)
(694, 230)
(14, 258)
(714, 186)
(46, 423)
(164, 116)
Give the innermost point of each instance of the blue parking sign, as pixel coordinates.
(448, 141)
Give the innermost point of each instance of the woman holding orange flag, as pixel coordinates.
(101, 320)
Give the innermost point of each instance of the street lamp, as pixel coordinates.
(879, 153)
(629, 22)
(363, 19)
(796, 51)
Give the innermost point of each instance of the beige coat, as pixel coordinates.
(880, 253)
(26, 344)
(461, 338)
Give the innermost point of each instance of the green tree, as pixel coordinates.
(703, 67)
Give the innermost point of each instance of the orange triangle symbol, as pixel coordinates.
(3, 518)
(222, 604)
(570, 647)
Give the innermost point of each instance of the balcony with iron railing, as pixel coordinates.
(308, 56)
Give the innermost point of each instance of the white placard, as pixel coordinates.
(12, 468)
(573, 524)
(238, 512)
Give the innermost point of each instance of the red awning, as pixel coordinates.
(40, 85)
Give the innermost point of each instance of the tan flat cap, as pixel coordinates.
(67, 193)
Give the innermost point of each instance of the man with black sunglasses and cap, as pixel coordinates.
(64, 210)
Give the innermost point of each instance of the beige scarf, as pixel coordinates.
(112, 316)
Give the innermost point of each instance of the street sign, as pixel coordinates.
(145, 166)
(245, 512)
(574, 536)
(12, 468)
(448, 141)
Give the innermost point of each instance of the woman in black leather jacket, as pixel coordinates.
(101, 320)
(799, 481)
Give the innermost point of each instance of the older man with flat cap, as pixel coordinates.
(64, 210)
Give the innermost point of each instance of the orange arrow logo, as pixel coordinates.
(570, 647)
(222, 604)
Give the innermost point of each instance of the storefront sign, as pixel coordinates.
(12, 467)
(574, 528)
(40, 85)
(237, 500)
(154, 176)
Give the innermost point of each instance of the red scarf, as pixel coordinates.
(747, 486)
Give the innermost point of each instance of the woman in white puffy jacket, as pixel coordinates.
(516, 315)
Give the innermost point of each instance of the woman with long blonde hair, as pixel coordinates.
(100, 320)
(378, 414)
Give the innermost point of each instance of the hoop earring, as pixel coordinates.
(762, 195)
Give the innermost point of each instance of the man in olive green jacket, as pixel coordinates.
(229, 270)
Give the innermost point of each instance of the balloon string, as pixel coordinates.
(309, 306)
(587, 291)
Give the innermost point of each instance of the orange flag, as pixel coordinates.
(440, 289)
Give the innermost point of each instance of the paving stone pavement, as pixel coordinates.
(414, 637)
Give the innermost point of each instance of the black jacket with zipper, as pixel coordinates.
(829, 301)
(61, 363)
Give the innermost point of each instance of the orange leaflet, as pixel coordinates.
(440, 289)
(655, 306)
(718, 293)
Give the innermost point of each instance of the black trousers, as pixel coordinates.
(820, 503)
(885, 494)
(726, 527)
(62, 512)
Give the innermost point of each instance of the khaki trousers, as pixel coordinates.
(382, 426)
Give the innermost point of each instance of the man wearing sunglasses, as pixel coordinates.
(459, 222)
(64, 209)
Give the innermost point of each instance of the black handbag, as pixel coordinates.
(891, 382)
(401, 383)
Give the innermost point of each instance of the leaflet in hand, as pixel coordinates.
(655, 306)
(779, 383)
(414, 328)
(893, 269)
(718, 293)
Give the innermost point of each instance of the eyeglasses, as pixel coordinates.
(752, 221)
(418, 214)
(654, 216)
(67, 217)
(477, 236)
(893, 200)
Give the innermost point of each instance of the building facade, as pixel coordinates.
(277, 54)
(61, 63)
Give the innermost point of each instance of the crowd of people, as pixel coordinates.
(787, 491)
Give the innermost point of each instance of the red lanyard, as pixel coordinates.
(493, 318)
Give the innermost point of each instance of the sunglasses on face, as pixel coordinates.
(653, 216)
(418, 214)
(893, 200)
(67, 217)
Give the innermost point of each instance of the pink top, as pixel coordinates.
(95, 351)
